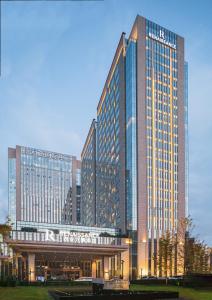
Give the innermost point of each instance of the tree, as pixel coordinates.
(192, 253)
(166, 254)
(180, 253)
(6, 227)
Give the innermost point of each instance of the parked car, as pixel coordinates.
(83, 279)
(176, 277)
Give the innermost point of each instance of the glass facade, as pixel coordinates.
(88, 174)
(186, 138)
(161, 130)
(78, 196)
(44, 186)
(64, 227)
(108, 154)
(12, 188)
(131, 149)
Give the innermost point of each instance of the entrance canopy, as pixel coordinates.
(64, 241)
(68, 254)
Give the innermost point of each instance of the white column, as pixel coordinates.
(125, 263)
(15, 264)
(110, 266)
(142, 259)
(101, 268)
(115, 265)
(31, 267)
(93, 267)
(106, 267)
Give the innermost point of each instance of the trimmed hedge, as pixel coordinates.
(158, 281)
(198, 280)
(11, 283)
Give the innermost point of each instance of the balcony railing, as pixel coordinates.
(63, 238)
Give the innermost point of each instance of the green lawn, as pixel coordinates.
(25, 293)
(32, 292)
(41, 293)
(187, 293)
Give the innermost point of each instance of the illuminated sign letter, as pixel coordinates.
(49, 236)
(162, 35)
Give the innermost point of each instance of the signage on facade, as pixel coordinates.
(72, 237)
(161, 38)
(46, 154)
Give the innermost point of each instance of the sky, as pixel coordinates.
(55, 56)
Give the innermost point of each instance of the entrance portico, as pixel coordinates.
(102, 257)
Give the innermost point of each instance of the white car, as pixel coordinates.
(84, 279)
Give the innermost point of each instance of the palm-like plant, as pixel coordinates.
(6, 228)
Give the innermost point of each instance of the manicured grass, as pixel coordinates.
(41, 293)
(33, 292)
(187, 293)
(24, 292)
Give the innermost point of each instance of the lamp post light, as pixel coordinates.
(128, 241)
(30, 272)
(122, 269)
(144, 246)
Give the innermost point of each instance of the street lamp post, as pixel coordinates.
(30, 275)
(122, 268)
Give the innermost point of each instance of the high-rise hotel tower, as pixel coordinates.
(140, 142)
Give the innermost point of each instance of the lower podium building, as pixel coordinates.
(47, 241)
(68, 254)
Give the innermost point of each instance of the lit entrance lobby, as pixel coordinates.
(68, 255)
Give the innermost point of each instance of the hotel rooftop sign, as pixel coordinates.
(45, 154)
(160, 37)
